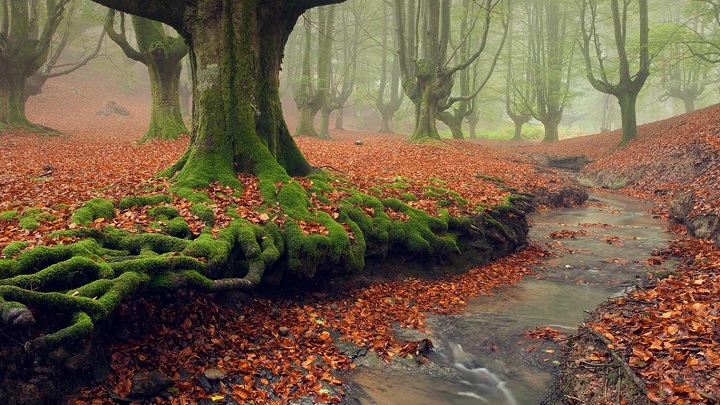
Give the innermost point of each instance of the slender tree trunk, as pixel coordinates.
(627, 101)
(237, 120)
(166, 120)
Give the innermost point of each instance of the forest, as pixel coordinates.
(359, 202)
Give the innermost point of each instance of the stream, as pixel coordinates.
(481, 356)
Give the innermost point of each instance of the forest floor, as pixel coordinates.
(267, 348)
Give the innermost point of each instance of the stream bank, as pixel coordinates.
(487, 353)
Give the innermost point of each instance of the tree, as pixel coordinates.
(423, 35)
(551, 61)
(389, 98)
(162, 54)
(518, 91)
(25, 40)
(311, 95)
(464, 103)
(627, 85)
(235, 54)
(75, 25)
(341, 68)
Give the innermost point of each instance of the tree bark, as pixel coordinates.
(12, 96)
(551, 124)
(237, 119)
(162, 55)
(517, 136)
(166, 120)
(627, 101)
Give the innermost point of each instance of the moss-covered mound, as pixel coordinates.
(298, 230)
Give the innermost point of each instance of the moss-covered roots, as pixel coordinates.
(87, 280)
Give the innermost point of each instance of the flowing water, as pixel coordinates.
(482, 356)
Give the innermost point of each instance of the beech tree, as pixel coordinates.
(389, 97)
(162, 54)
(626, 85)
(25, 38)
(75, 24)
(462, 105)
(236, 48)
(312, 92)
(551, 57)
(423, 33)
(518, 91)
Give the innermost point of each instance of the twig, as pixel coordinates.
(330, 167)
(621, 362)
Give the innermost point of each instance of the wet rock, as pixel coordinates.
(350, 349)
(574, 163)
(680, 206)
(283, 330)
(205, 384)
(149, 384)
(214, 374)
(358, 142)
(567, 196)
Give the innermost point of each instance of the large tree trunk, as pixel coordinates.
(426, 116)
(12, 96)
(235, 55)
(166, 120)
(551, 124)
(306, 120)
(627, 102)
(689, 102)
(473, 120)
(385, 125)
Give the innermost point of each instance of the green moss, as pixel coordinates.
(143, 200)
(396, 186)
(163, 212)
(408, 197)
(29, 223)
(488, 177)
(438, 181)
(192, 195)
(204, 212)
(8, 215)
(157, 242)
(176, 227)
(431, 194)
(92, 210)
(14, 248)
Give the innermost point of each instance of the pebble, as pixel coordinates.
(213, 374)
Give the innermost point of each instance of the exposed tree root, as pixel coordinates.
(89, 279)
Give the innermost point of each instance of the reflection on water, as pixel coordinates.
(483, 348)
